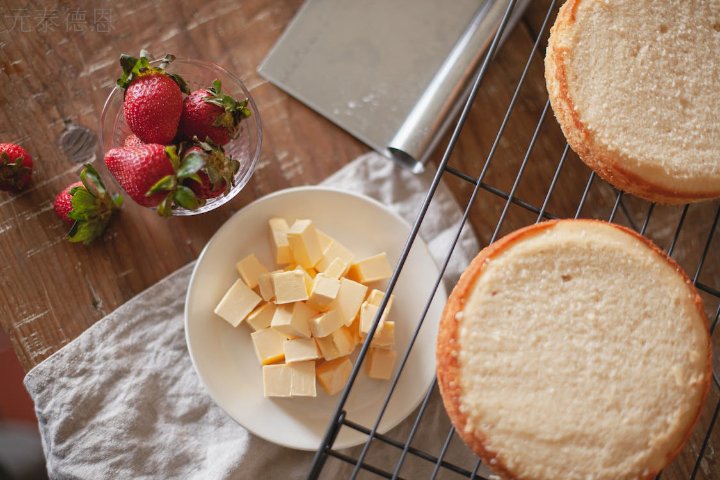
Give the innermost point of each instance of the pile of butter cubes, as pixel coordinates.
(308, 317)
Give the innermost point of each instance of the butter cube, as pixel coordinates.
(307, 277)
(304, 243)
(250, 269)
(279, 240)
(336, 269)
(268, 344)
(325, 240)
(300, 350)
(380, 363)
(277, 381)
(289, 286)
(371, 269)
(375, 297)
(324, 291)
(302, 379)
(344, 341)
(384, 337)
(265, 285)
(326, 323)
(349, 298)
(333, 375)
(292, 320)
(261, 317)
(237, 303)
(369, 310)
(327, 347)
(333, 251)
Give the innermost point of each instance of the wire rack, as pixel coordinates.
(671, 228)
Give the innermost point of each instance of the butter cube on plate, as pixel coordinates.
(277, 380)
(304, 243)
(279, 240)
(336, 269)
(349, 298)
(261, 317)
(289, 286)
(326, 323)
(325, 240)
(333, 375)
(307, 277)
(265, 285)
(332, 251)
(371, 269)
(385, 336)
(344, 341)
(300, 350)
(293, 320)
(302, 379)
(327, 347)
(250, 270)
(324, 291)
(237, 303)
(268, 344)
(369, 310)
(380, 363)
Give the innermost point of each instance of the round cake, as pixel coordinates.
(635, 86)
(574, 349)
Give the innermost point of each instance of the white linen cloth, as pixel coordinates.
(123, 401)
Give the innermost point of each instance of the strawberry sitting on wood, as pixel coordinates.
(152, 175)
(210, 113)
(16, 167)
(153, 98)
(86, 206)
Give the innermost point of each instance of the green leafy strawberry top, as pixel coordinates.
(92, 207)
(234, 111)
(134, 68)
(175, 192)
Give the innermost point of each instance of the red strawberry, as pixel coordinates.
(132, 141)
(86, 206)
(218, 171)
(137, 169)
(153, 98)
(16, 167)
(152, 175)
(209, 113)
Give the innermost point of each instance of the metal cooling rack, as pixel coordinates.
(695, 452)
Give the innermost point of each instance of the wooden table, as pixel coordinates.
(58, 64)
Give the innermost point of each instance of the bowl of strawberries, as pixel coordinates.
(181, 136)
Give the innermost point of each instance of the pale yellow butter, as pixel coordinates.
(333, 375)
(237, 303)
(289, 286)
(304, 243)
(261, 317)
(300, 350)
(324, 291)
(380, 363)
(250, 270)
(277, 380)
(326, 323)
(302, 379)
(349, 298)
(371, 269)
(279, 240)
(268, 344)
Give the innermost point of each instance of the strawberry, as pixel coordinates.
(16, 167)
(152, 175)
(86, 206)
(218, 173)
(153, 98)
(132, 141)
(209, 113)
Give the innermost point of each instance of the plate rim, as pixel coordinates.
(213, 239)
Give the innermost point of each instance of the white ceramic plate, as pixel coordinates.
(224, 358)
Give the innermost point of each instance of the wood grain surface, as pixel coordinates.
(58, 62)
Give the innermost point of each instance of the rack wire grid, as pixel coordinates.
(520, 192)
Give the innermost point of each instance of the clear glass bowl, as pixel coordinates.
(245, 148)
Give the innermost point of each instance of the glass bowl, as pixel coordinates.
(245, 148)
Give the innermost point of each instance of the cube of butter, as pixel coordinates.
(277, 380)
(380, 363)
(304, 243)
(307, 277)
(279, 240)
(384, 337)
(325, 240)
(300, 350)
(369, 310)
(332, 375)
(336, 269)
(250, 270)
(327, 347)
(289, 286)
(333, 251)
(237, 303)
(326, 323)
(302, 379)
(268, 344)
(371, 269)
(261, 317)
(293, 320)
(324, 291)
(349, 298)
(265, 285)
(344, 341)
